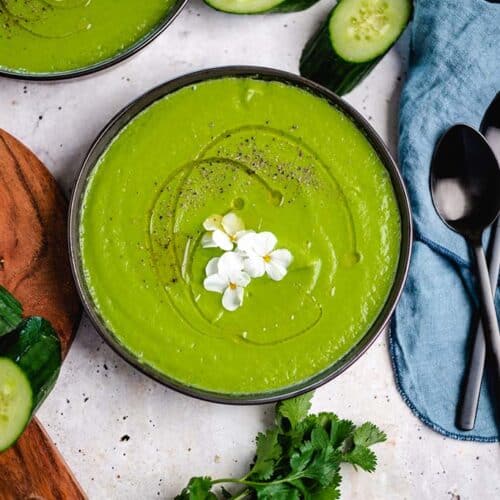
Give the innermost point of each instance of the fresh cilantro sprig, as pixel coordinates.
(299, 457)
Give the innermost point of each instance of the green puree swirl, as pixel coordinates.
(48, 36)
(285, 161)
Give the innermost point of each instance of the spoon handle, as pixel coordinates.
(467, 410)
(488, 312)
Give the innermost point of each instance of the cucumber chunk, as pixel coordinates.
(353, 39)
(11, 312)
(362, 30)
(259, 6)
(16, 402)
(30, 359)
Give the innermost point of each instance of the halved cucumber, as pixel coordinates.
(259, 6)
(16, 402)
(30, 359)
(11, 312)
(355, 36)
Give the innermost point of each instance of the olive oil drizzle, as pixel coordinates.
(185, 274)
(184, 265)
(300, 143)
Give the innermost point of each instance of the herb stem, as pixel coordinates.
(257, 483)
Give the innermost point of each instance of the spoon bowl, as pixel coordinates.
(490, 126)
(465, 182)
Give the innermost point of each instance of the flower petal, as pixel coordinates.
(275, 270)
(213, 222)
(212, 266)
(230, 264)
(207, 241)
(232, 298)
(216, 283)
(282, 257)
(232, 224)
(222, 240)
(241, 279)
(246, 242)
(241, 234)
(254, 266)
(264, 243)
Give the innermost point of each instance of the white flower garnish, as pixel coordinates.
(225, 275)
(223, 231)
(253, 257)
(261, 258)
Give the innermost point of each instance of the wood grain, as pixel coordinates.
(34, 266)
(34, 469)
(34, 262)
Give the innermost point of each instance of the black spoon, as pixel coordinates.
(465, 188)
(467, 409)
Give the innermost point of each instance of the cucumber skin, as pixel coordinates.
(36, 350)
(320, 63)
(11, 312)
(293, 6)
(283, 7)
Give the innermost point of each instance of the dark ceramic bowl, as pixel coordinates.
(125, 116)
(106, 63)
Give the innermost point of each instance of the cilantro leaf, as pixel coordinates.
(329, 493)
(340, 431)
(303, 430)
(319, 438)
(324, 467)
(198, 488)
(303, 490)
(363, 457)
(317, 459)
(368, 434)
(278, 491)
(268, 452)
(301, 458)
(294, 410)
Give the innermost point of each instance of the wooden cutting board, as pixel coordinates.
(34, 266)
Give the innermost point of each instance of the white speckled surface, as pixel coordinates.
(99, 398)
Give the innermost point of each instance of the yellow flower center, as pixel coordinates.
(267, 258)
(232, 286)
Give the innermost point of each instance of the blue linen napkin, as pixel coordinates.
(454, 75)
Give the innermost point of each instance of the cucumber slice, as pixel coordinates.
(354, 38)
(259, 6)
(16, 402)
(11, 312)
(30, 359)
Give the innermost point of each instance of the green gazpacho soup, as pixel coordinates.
(281, 161)
(52, 36)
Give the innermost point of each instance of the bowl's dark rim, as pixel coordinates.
(124, 117)
(106, 63)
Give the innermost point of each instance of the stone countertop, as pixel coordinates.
(127, 437)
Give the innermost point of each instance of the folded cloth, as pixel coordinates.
(454, 74)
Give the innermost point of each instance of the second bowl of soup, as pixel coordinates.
(52, 39)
